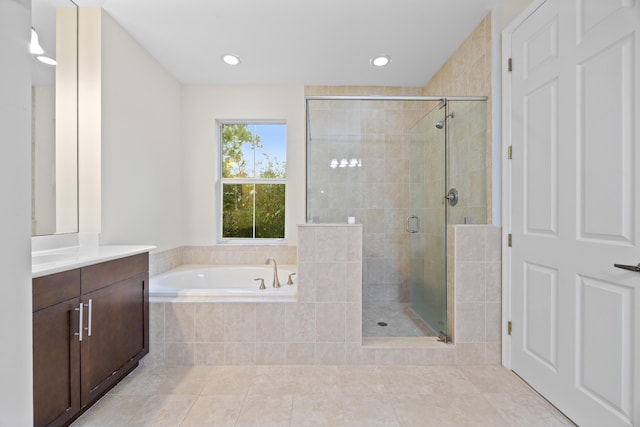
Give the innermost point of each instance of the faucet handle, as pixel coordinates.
(290, 281)
(262, 286)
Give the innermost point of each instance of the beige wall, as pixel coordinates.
(130, 139)
(468, 73)
(201, 107)
(141, 150)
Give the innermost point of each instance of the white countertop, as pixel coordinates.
(57, 260)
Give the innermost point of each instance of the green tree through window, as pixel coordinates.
(253, 180)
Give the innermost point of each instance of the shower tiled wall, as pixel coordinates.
(377, 133)
(468, 73)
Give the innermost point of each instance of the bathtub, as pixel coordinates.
(222, 283)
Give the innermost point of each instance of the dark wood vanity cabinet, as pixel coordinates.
(71, 371)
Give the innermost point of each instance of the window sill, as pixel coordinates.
(252, 242)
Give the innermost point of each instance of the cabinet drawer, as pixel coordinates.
(55, 288)
(98, 276)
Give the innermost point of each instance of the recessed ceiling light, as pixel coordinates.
(46, 60)
(231, 59)
(380, 61)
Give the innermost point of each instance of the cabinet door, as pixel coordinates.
(56, 364)
(118, 336)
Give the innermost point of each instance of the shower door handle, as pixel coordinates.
(413, 224)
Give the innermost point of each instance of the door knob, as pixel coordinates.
(635, 268)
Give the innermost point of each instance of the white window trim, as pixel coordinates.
(220, 181)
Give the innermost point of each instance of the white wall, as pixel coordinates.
(141, 152)
(201, 106)
(16, 407)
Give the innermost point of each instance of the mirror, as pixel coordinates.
(54, 119)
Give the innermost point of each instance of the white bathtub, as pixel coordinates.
(214, 283)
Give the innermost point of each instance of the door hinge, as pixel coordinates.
(509, 239)
(510, 65)
(509, 327)
(510, 152)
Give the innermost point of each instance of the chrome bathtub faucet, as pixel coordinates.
(276, 281)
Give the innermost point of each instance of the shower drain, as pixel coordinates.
(382, 323)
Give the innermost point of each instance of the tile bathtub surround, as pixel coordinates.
(160, 262)
(299, 395)
(325, 325)
(164, 261)
(475, 292)
(230, 254)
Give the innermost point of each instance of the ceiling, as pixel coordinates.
(306, 42)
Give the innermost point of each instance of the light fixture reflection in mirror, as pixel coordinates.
(54, 117)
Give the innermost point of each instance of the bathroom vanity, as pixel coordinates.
(90, 329)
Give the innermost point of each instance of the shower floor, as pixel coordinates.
(400, 321)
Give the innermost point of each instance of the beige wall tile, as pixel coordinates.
(300, 322)
(354, 282)
(240, 322)
(470, 243)
(155, 356)
(441, 356)
(239, 353)
(209, 322)
(270, 322)
(179, 354)
(494, 244)
(300, 353)
(357, 355)
(330, 353)
(353, 322)
(270, 353)
(470, 354)
(493, 353)
(331, 245)
(470, 323)
(391, 356)
(156, 322)
(469, 281)
(493, 322)
(209, 353)
(307, 282)
(493, 281)
(331, 282)
(180, 322)
(330, 322)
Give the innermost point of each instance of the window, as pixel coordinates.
(253, 181)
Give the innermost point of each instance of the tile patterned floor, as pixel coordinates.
(401, 321)
(322, 396)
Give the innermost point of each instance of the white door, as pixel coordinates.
(575, 207)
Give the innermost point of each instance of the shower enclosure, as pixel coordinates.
(404, 167)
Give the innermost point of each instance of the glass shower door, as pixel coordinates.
(427, 221)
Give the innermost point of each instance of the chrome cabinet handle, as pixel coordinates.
(416, 226)
(80, 321)
(88, 328)
(635, 268)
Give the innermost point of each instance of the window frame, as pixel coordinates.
(220, 123)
